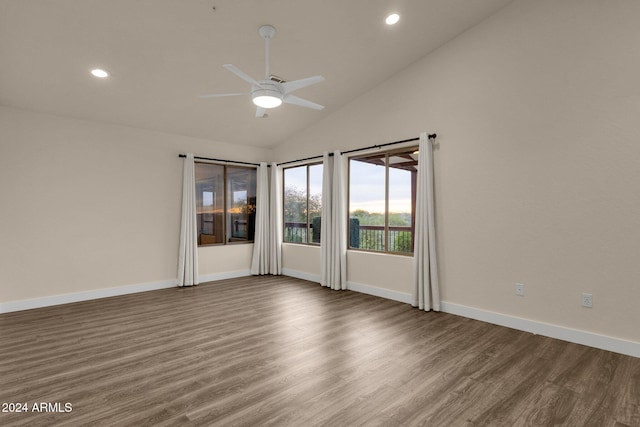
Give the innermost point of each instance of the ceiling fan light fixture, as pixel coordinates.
(267, 101)
(266, 98)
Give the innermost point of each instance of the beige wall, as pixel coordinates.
(87, 206)
(302, 258)
(537, 113)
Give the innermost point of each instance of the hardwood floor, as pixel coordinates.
(285, 352)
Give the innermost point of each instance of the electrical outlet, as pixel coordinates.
(587, 300)
(520, 289)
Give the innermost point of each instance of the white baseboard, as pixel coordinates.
(222, 276)
(301, 275)
(7, 307)
(353, 286)
(617, 345)
(379, 292)
(28, 304)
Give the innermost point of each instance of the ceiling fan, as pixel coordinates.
(271, 92)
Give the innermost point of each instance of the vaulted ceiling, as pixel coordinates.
(162, 54)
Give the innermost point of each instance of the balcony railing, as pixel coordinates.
(295, 232)
(369, 237)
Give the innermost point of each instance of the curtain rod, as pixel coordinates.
(221, 160)
(431, 135)
(302, 160)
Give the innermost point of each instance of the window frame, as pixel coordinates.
(284, 189)
(225, 231)
(387, 154)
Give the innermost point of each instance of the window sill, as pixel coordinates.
(309, 245)
(366, 251)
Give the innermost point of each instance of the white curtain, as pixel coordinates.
(188, 252)
(275, 217)
(260, 260)
(326, 224)
(334, 236)
(426, 292)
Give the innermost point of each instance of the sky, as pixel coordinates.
(366, 186)
(297, 177)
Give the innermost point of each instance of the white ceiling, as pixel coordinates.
(163, 53)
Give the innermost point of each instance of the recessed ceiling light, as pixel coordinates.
(392, 19)
(99, 73)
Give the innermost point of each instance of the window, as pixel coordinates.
(225, 203)
(241, 203)
(382, 199)
(302, 203)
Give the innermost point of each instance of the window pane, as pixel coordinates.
(367, 203)
(209, 203)
(295, 204)
(315, 202)
(241, 203)
(401, 168)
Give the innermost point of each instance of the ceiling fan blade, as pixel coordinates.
(260, 112)
(292, 99)
(299, 84)
(235, 70)
(220, 95)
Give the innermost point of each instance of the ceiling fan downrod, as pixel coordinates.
(267, 32)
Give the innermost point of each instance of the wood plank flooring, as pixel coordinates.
(284, 352)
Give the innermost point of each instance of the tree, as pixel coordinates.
(295, 205)
(296, 210)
